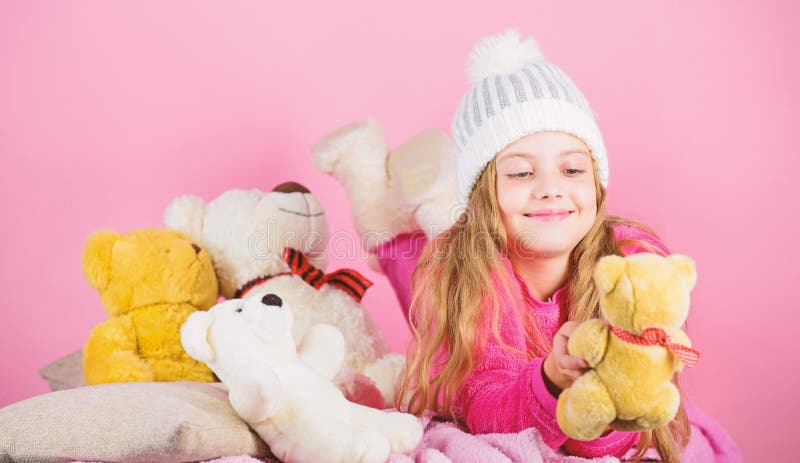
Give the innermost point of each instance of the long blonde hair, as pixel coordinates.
(448, 297)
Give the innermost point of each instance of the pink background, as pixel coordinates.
(107, 112)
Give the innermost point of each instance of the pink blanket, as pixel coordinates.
(444, 442)
(236, 459)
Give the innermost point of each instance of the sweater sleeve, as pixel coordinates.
(397, 258)
(498, 396)
(503, 395)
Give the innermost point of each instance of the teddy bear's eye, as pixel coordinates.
(238, 310)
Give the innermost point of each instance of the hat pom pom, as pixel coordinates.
(501, 54)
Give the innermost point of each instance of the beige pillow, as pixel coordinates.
(64, 373)
(130, 422)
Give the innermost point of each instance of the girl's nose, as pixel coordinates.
(548, 187)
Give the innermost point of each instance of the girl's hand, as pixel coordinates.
(560, 368)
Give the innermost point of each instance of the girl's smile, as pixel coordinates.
(549, 215)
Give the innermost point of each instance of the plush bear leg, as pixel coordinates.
(423, 177)
(356, 156)
(182, 368)
(110, 354)
(367, 446)
(403, 430)
(585, 409)
(386, 372)
(663, 410)
(120, 366)
(316, 437)
(256, 394)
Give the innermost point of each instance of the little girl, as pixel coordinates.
(495, 296)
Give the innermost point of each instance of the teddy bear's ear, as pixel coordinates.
(194, 337)
(186, 214)
(608, 271)
(686, 267)
(96, 258)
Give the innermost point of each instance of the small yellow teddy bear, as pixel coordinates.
(634, 350)
(149, 281)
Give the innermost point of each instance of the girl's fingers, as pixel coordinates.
(561, 351)
(569, 367)
(568, 327)
(570, 363)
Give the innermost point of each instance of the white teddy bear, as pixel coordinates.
(285, 392)
(246, 233)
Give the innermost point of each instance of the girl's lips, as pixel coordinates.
(549, 217)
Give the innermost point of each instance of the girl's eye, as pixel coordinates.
(520, 174)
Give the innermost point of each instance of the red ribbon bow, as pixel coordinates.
(345, 279)
(659, 337)
(348, 280)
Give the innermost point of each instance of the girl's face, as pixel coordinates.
(546, 193)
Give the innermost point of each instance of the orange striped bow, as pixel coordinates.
(348, 280)
(657, 336)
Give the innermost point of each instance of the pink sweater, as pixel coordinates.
(504, 393)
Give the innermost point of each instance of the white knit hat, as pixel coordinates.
(515, 93)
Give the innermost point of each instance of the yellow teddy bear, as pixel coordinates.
(149, 281)
(634, 350)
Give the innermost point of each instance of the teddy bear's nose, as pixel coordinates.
(272, 299)
(196, 248)
(290, 187)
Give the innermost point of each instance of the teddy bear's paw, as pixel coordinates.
(404, 432)
(250, 406)
(401, 429)
(181, 369)
(267, 383)
(118, 367)
(197, 372)
(255, 394)
(386, 373)
(440, 213)
(664, 410)
(422, 177)
(417, 166)
(585, 409)
(368, 446)
(349, 146)
(356, 156)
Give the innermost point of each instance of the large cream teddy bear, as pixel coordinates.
(284, 391)
(409, 188)
(247, 232)
(634, 350)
